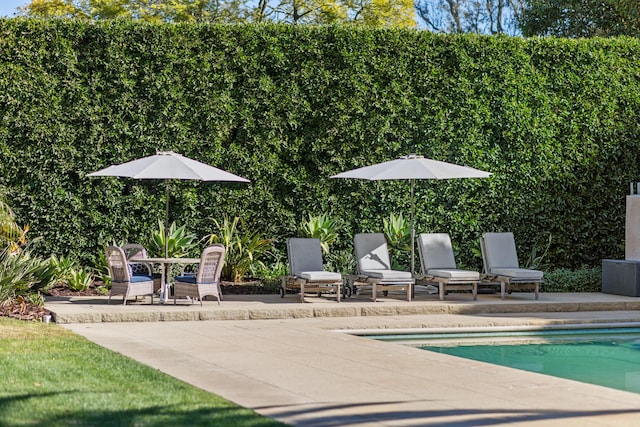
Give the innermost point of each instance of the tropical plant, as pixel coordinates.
(63, 267)
(23, 275)
(536, 258)
(243, 248)
(397, 231)
(101, 269)
(11, 234)
(321, 227)
(178, 244)
(79, 279)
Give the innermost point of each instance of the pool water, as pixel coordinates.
(606, 357)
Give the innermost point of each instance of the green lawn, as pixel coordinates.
(52, 377)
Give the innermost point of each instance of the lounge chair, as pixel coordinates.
(501, 264)
(438, 265)
(123, 281)
(374, 266)
(306, 272)
(206, 281)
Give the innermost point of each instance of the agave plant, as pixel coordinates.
(397, 231)
(177, 242)
(321, 227)
(22, 275)
(243, 248)
(79, 279)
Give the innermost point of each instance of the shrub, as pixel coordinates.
(585, 279)
(554, 120)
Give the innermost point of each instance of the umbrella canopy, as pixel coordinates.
(168, 165)
(412, 167)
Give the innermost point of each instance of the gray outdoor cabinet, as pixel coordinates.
(621, 277)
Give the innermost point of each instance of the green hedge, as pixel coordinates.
(555, 120)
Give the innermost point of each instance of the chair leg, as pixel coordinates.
(409, 292)
(441, 290)
(503, 287)
(475, 291)
(537, 290)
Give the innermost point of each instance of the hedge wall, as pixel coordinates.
(555, 120)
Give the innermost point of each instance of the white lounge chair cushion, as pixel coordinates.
(518, 273)
(319, 276)
(387, 274)
(455, 274)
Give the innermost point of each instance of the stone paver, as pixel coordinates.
(306, 371)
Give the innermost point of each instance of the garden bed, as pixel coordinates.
(23, 311)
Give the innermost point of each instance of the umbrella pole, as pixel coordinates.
(166, 219)
(413, 232)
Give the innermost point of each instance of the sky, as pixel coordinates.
(9, 7)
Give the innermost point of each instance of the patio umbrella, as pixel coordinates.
(168, 165)
(412, 167)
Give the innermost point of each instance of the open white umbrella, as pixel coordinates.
(168, 165)
(412, 167)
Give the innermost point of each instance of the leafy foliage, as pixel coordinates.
(581, 18)
(584, 279)
(79, 279)
(368, 12)
(176, 241)
(554, 120)
(244, 248)
(321, 227)
(12, 236)
(23, 275)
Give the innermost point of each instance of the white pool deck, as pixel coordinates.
(298, 363)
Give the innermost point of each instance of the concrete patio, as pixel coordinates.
(297, 363)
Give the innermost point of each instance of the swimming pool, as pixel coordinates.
(607, 356)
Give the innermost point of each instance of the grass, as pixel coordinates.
(52, 377)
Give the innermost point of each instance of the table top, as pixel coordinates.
(169, 260)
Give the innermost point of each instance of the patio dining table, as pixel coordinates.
(164, 263)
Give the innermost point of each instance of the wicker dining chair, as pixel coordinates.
(123, 281)
(207, 279)
(135, 251)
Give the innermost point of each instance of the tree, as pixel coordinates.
(470, 16)
(380, 13)
(581, 18)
